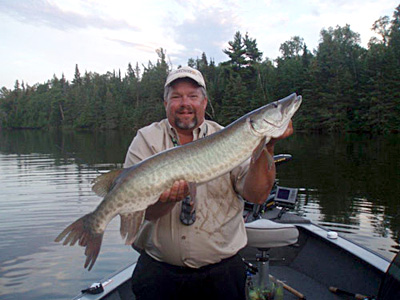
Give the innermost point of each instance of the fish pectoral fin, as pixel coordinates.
(270, 158)
(258, 150)
(261, 147)
(103, 184)
(80, 231)
(130, 224)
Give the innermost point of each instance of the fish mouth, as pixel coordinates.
(287, 107)
(270, 123)
(275, 116)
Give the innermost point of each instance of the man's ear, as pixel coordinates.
(205, 103)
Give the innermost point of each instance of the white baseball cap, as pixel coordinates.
(186, 72)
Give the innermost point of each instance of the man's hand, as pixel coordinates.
(176, 193)
(167, 200)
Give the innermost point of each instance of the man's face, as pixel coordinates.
(185, 106)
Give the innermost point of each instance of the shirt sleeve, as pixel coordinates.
(139, 150)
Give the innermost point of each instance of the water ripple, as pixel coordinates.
(39, 198)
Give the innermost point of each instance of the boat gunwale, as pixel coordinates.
(363, 253)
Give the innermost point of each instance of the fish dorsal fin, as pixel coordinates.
(105, 182)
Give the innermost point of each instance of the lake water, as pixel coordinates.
(348, 183)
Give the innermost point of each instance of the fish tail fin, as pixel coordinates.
(81, 231)
(130, 224)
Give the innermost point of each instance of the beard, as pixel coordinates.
(183, 123)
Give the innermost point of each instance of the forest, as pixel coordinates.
(345, 87)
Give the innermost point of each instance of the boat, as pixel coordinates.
(320, 265)
(317, 264)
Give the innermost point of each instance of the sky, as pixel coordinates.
(43, 38)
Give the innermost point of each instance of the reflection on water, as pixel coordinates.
(43, 190)
(350, 183)
(347, 183)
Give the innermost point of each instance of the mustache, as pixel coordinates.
(185, 109)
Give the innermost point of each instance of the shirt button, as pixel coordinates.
(183, 237)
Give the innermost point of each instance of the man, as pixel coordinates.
(190, 254)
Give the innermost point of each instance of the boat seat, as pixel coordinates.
(265, 234)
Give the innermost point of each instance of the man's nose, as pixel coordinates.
(185, 100)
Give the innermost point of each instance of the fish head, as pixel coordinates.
(272, 119)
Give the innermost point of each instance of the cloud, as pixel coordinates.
(45, 13)
(207, 30)
(138, 46)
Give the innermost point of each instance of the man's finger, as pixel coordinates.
(173, 195)
(183, 189)
(164, 196)
(178, 191)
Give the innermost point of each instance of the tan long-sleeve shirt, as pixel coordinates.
(218, 231)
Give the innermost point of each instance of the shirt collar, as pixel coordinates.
(198, 132)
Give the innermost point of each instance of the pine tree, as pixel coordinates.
(236, 52)
(77, 76)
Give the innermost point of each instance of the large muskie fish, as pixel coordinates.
(130, 192)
